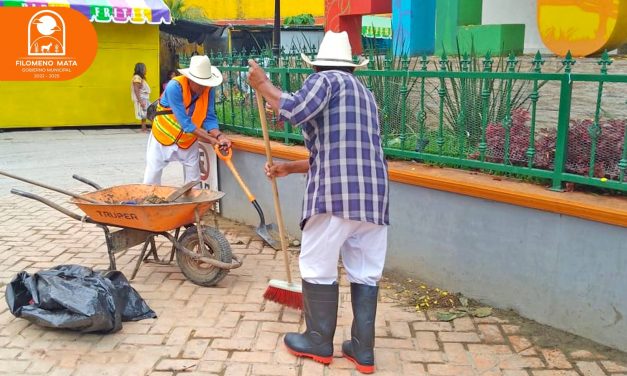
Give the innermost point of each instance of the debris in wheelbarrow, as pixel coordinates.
(153, 199)
(156, 199)
(77, 298)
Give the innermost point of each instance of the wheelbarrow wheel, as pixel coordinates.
(216, 246)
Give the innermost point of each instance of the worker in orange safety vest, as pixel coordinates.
(185, 114)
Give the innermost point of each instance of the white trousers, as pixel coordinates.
(158, 156)
(362, 246)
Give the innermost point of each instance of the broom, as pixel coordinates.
(286, 293)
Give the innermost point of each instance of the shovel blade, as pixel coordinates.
(270, 235)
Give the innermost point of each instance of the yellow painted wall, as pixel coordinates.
(582, 27)
(100, 96)
(255, 9)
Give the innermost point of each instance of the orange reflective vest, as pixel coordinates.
(167, 129)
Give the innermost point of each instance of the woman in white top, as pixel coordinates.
(140, 93)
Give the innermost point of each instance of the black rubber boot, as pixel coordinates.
(320, 308)
(360, 349)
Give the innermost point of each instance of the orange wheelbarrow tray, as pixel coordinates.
(122, 206)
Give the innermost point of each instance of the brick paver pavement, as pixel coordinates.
(229, 330)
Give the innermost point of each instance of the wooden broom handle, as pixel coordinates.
(275, 190)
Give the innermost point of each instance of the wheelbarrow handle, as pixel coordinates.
(87, 181)
(50, 188)
(51, 204)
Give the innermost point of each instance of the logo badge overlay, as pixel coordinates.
(46, 34)
(47, 44)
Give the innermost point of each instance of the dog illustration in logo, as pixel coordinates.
(46, 49)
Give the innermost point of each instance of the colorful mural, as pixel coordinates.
(420, 27)
(585, 27)
(413, 23)
(345, 15)
(117, 11)
(450, 16)
(254, 12)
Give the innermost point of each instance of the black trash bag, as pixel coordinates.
(77, 298)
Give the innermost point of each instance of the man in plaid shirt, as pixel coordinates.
(345, 209)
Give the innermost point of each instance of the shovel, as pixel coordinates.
(181, 191)
(263, 230)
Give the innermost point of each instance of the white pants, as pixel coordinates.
(362, 246)
(158, 156)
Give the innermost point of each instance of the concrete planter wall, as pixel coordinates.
(558, 270)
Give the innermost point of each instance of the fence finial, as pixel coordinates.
(568, 62)
(487, 62)
(537, 62)
(512, 62)
(443, 61)
(424, 61)
(465, 62)
(405, 62)
(604, 62)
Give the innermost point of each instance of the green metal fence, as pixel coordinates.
(498, 114)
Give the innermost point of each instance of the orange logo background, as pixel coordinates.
(45, 44)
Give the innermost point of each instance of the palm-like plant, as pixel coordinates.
(179, 10)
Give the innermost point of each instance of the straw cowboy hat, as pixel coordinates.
(202, 72)
(335, 51)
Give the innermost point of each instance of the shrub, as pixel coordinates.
(519, 139)
(608, 149)
(301, 19)
(608, 153)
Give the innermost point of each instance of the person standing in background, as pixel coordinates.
(171, 75)
(140, 94)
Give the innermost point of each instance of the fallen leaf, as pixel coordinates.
(482, 312)
(449, 316)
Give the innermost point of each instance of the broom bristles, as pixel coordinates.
(284, 293)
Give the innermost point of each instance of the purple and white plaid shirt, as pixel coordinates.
(347, 175)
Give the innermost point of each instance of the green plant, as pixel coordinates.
(393, 93)
(172, 43)
(464, 99)
(181, 11)
(301, 19)
(609, 142)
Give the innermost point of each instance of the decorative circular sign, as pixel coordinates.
(585, 27)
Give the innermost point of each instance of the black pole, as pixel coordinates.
(276, 32)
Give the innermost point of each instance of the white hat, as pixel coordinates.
(335, 51)
(202, 72)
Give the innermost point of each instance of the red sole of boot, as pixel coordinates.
(319, 359)
(360, 367)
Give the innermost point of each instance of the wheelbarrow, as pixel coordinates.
(203, 262)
